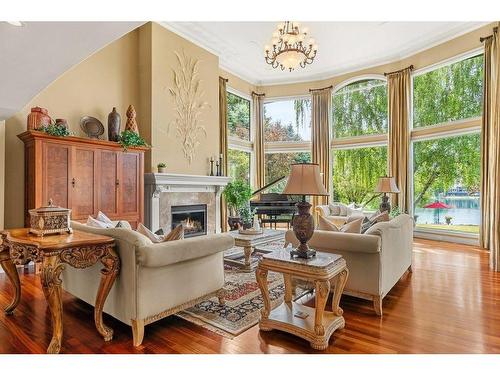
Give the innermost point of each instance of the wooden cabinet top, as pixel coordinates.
(32, 135)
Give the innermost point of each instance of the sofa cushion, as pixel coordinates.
(176, 234)
(353, 226)
(325, 224)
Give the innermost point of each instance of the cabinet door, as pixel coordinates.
(129, 190)
(83, 200)
(108, 182)
(56, 174)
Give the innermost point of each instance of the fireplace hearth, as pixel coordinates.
(192, 217)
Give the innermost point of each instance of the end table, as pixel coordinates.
(327, 272)
(79, 250)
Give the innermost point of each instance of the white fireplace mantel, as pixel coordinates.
(157, 183)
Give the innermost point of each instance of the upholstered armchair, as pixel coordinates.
(156, 279)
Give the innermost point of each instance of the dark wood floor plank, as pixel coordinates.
(449, 304)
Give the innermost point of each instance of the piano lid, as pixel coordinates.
(271, 184)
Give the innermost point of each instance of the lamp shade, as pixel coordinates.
(305, 179)
(386, 185)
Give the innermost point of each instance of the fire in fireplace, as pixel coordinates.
(192, 217)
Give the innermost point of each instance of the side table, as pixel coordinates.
(327, 272)
(79, 250)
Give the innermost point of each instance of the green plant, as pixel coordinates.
(247, 214)
(130, 139)
(448, 219)
(56, 130)
(237, 194)
(162, 165)
(395, 211)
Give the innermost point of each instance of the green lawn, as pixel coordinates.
(455, 228)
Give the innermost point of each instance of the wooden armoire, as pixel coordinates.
(85, 175)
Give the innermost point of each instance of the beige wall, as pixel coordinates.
(237, 83)
(449, 49)
(167, 146)
(105, 80)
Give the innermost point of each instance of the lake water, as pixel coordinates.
(465, 211)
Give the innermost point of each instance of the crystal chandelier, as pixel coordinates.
(289, 49)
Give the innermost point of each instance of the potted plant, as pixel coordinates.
(162, 168)
(448, 219)
(247, 214)
(237, 194)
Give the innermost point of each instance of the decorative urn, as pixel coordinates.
(38, 118)
(50, 219)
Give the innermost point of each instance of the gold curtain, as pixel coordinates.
(320, 137)
(490, 151)
(223, 143)
(260, 168)
(398, 87)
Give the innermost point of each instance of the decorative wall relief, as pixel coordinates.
(189, 104)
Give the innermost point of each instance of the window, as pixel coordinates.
(447, 170)
(449, 93)
(355, 175)
(239, 165)
(278, 165)
(238, 116)
(446, 158)
(359, 144)
(360, 108)
(240, 145)
(287, 120)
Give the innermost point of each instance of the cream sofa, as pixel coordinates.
(376, 260)
(156, 279)
(346, 213)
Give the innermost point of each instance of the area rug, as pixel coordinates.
(241, 310)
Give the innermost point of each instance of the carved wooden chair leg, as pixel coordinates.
(137, 331)
(377, 305)
(221, 295)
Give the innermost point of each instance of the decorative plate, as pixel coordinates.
(91, 126)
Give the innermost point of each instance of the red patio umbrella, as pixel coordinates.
(437, 205)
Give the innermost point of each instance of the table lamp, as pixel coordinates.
(386, 185)
(304, 179)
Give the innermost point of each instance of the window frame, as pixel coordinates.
(238, 144)
(471, 125)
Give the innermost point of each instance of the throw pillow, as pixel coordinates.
(324, 224)
(123, 224)
(384, 216)
(353, 226)
(175, 234)
(334, 209)
(343, 210)
(103, 218)
(94, 223)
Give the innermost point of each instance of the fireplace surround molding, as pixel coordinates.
(156, 184)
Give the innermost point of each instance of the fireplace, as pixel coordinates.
(192, 217)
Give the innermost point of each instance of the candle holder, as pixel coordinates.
(211, 166)
(217, 165)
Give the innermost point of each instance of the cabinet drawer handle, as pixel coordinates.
(73, 182)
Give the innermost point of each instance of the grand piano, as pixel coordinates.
(273, 208)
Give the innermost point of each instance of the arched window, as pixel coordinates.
(359, 144)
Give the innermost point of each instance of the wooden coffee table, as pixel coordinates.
(79, 250)
(327, 272)
(248, 242)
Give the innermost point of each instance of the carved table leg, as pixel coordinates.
(261, 276)
(338, 288)
(10, 269)
(288, 288)
(51, 284)
(111, 264)
(322, 291)
(248, 255)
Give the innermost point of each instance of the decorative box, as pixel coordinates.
(50, 219)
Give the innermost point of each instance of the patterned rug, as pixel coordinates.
(243, 301)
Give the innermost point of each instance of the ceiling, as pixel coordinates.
(34, 55)
(343, 46)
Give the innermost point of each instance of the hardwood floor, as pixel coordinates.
(449, 304)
